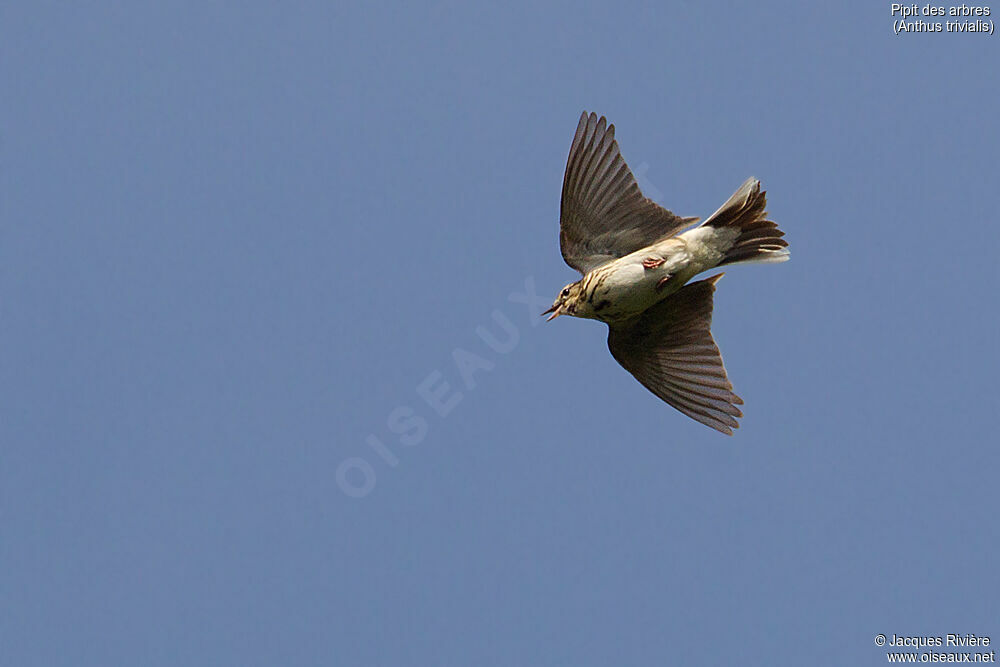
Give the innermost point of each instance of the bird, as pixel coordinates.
(637, 259)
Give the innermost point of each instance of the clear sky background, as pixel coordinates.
(237, 237)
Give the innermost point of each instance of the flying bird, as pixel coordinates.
(636, 260)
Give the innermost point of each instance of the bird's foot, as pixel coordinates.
(663, 283)
(652, 262)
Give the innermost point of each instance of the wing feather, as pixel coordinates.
(603, 213)
(670, 350)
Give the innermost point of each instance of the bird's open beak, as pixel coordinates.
(556, 312)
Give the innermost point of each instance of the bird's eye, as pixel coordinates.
(565, 292)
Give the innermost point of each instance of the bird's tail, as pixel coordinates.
(759, 239)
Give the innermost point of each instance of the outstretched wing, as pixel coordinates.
(603, 214)
(670, 350)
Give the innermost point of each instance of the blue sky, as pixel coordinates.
(239, 237)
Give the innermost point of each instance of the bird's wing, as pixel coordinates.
(670, 350)
(603, 214)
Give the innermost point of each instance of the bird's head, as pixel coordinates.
(567, 301)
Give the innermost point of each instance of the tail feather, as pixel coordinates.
(759, 239)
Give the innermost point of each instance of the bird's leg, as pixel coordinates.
(652, 262)
(663, 282)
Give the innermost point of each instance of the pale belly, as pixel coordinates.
(625, 288)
